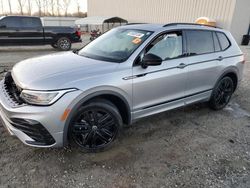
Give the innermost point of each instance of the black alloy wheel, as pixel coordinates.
(222, 93)
(95, 126)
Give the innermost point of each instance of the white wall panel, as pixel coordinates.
(164, 11)
(225, 12)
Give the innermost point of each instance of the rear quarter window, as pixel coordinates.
(199, 42)
(224, 42)
(30, 22)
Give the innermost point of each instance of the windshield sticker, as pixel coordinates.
(135, 34)
(136, 41)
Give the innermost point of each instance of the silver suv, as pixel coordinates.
(84, 97)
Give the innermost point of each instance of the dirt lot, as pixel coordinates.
(188, 147)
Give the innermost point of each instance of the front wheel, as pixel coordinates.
(95, 126)
(222, 93)
(63, 44)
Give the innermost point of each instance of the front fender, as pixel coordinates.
(92, 93)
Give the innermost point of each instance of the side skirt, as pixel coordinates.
(169, 105)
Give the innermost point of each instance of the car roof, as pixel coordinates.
(162, 27)
(144, 26)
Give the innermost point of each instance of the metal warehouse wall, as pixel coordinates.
(164, 11)
(241, 19)
(233, 15)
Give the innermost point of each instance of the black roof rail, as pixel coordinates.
(195, 24)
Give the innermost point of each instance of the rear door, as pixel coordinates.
(204, 63)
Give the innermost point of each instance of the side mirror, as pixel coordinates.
(150, 60)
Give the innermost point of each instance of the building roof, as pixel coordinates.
(99, 20)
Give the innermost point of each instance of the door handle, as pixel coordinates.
(136, 76)
(181, 66)
(220, 58)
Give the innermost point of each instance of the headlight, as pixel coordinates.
(43, 97)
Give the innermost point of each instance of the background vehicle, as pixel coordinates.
(94, 34)
(23, 30)
(125, 74)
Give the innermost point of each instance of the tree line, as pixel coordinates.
(43, 8)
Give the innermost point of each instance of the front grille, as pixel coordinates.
(34, 130)
(12, 89)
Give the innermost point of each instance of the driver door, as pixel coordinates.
(158, 88)
(9, 28)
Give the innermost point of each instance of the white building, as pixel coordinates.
(233, 15)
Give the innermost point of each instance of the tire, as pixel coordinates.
(63, 44)
(222, 93)
(95, 126)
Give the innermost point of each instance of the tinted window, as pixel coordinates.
(200, 42)
(167, 46)
(223, 41)
(30, 22)
(1, 21)
(216, 43)
(10, 22)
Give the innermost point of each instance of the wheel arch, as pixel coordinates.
(232, 73)
(61, 35)
(117, 99)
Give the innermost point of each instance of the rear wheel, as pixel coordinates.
(63, 44)
(95, 126)
(222, 93)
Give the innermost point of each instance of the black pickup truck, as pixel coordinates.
(26, 30)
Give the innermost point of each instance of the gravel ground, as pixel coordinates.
(188, 147)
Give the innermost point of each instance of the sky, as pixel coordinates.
(15, 7)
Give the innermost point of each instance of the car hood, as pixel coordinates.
(56, 71)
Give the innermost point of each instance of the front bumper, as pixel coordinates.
(49, 117)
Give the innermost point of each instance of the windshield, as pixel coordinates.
(116, 45)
